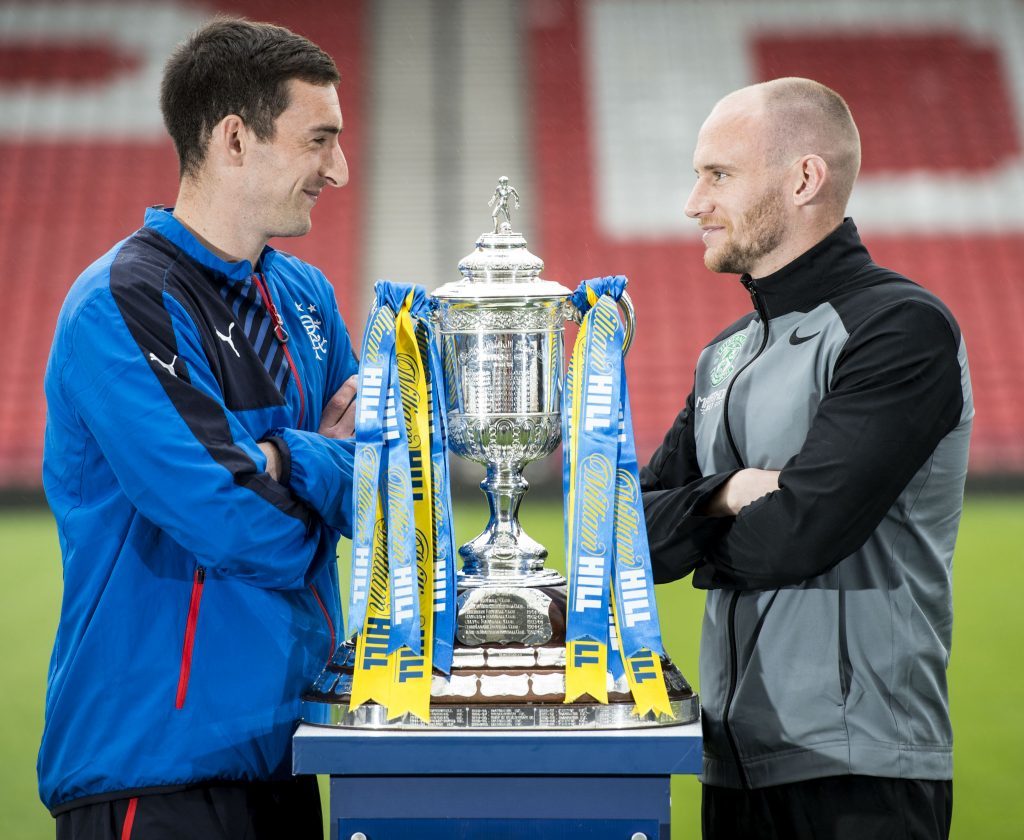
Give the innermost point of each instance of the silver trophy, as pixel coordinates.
(501, 332)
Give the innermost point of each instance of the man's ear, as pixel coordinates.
(229, 140)
(811, 176)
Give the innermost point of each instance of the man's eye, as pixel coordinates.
(319, 140)
(717, 176)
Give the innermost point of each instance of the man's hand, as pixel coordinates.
(339, 417)
(744, 487)
(273, 459)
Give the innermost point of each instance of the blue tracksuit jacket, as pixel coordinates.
(200, 596)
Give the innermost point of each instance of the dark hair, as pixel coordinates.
(234, 66)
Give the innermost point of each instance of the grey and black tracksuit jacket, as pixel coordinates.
(828, 619)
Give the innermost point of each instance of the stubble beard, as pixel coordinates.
(763, 229)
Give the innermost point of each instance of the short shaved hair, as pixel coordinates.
(805, 117)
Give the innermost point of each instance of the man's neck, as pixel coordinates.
(795, 248)
(214, 221)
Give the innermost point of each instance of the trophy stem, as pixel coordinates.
(503, 553)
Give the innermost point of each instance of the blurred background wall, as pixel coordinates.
(591, 107)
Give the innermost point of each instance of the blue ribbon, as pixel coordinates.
(371, 399)
(444, 595)
(380, 432)
(639, 626)
(401, 527)
(402, 562)
(631, 574)
(592, 536)
(444, 533)
(613, 286)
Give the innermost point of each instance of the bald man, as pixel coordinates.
(813, 485)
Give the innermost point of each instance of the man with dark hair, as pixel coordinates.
(198, 461)
(813, 485)
(238, 68)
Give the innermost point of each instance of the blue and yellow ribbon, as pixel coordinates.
(371, 407)
(395, 597)
(611, 587)
(444, 594)
(591, 514)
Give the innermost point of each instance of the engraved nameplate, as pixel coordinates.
(504, 616)
(510, 716)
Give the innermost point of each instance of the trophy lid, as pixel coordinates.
(501, 266)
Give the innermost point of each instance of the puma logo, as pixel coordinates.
(168, 366)
(227, 339)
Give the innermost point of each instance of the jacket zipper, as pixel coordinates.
(327, 617)
(733, 677)
(759, 306)
(733, 652)
(190, 636)
(282, 337)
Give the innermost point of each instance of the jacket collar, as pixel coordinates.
(161, 220)
(814, 276)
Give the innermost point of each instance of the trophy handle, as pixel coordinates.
(628, 314)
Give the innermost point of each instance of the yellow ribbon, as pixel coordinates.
(401, 681)
(645, 677)
(411, 676)
(371, 679)
(586, 665)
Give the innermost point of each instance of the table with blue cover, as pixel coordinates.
(477, 784)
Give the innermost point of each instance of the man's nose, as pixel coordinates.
(697, 204)
(335, 168)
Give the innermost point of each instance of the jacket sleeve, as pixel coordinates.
(896, 392)
(673, 492)
(316, 468)
(319, 470)
(139, 380)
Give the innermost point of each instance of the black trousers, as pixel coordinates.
(228, 811)
(832, 808)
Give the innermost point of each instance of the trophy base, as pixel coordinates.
(508, 672)
(575, 716)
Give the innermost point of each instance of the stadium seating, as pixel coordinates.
(71, 190)
(934, 104)
(938, 91)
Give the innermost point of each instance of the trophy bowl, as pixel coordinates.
(502, 350)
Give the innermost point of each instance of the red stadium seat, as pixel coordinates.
(938, 119)
(66, 200)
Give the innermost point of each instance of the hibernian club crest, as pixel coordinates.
(726, 358)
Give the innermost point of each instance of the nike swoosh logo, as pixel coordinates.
(795, 339)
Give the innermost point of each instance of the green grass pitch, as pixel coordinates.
(984, 672)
